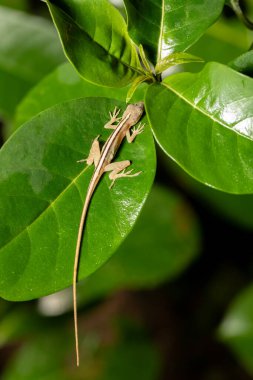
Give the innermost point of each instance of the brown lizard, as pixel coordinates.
(103, 163)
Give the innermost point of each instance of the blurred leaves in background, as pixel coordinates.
(164, 242)
(114, 347)
(29, 50)
(236, 329)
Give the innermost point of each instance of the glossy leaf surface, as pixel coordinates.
(29, 49)
(95, 39)
(163, 243)
(167, 26)
(236, 329)
(205, 123)
(176, 59)
(64, 84)
(236, 208)
(42, 193)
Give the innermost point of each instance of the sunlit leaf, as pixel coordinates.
(176, 59)
(163, 243)
(136, 83)
(41, 209)
(63, 84)
(205, 123)
(167, 26)
(95, 40)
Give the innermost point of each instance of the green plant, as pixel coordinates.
(202, 120)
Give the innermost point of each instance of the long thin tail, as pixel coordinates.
(76, 263)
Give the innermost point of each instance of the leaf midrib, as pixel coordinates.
(159, 53)
(51, 204)
(96, 42)
(201, 110)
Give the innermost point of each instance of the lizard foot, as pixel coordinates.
(113, 118)
(123, 174)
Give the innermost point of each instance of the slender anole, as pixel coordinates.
(103, 163)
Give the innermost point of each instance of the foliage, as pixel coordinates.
(236, 329)
(129, 354)
(30, 37)
(201, 118)
(50, 188)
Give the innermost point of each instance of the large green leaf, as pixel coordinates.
(164, 241)
(236, 329)
(63, 84)
(167, 226)
(29, 49)
(236, 208)
(42, 192)
(205, 123)
(167, 26)
(95, 40)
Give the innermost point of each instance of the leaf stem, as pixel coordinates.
(235, 4)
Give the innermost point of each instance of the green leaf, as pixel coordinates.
(222, 42)
(236, 6)
(144, 60)
(236, 329)
(64, 84)
(95, 40)
(166, 226)
(236, 208)
(136, 83)
(175, 59)
(42, 192)
(167, 26)
(29, 49)
(61, 85)
(205, 123)
(243, 63)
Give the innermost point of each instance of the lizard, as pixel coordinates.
(102, 161)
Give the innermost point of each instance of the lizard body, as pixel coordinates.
(103, 163)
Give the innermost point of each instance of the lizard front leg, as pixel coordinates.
(135, 132)
(94, 154)
(113, 119)
(117, 170)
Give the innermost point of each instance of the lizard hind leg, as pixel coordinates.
(118, 170)
(94, 154)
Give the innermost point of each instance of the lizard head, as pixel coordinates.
(136, 111)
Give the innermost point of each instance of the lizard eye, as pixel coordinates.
(140, 105)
